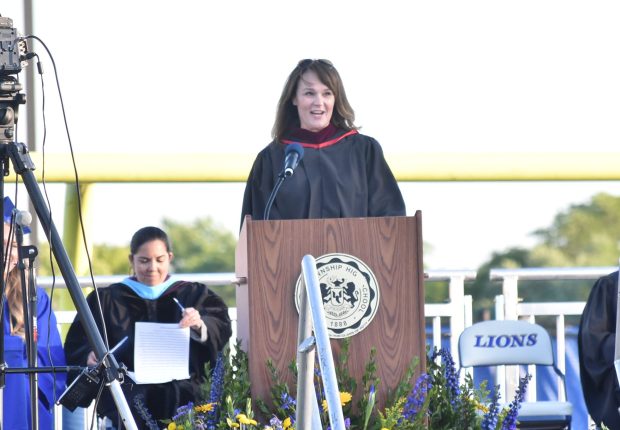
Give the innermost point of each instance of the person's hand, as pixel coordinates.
(91, 360)
(191, 318)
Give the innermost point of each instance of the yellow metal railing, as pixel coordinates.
(229, 167)
(422, 166)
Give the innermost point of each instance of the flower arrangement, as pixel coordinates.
(435, 400)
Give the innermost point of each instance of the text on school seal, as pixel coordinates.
(350, 293)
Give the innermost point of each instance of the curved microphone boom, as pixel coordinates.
(292, 156)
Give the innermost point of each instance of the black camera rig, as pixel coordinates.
(13, 51)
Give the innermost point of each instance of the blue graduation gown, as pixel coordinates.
(16, 394)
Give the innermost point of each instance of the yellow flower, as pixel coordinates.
(384, 428)
(247, 421)
(482, 408)
(231, 423)
(286, 423)
(243, 419)
(172, 426)
(345, 398)
(204, 408)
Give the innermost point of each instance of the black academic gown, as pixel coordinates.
(122, 308)
(346, 176)
(597, 337)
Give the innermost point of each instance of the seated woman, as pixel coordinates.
(149, 296)
(16, 394)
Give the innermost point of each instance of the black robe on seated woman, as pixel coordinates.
(122, 308)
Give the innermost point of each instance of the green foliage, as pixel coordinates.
(483, 290)
(201, 247)
(345, 381)
(438, 401)
(369, 383)
(109, 259)
(586, 234)
(236, 378)
(404, 387)
(280, 395)
(106, 260)
(435, 291)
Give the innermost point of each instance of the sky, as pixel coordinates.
(450, 76)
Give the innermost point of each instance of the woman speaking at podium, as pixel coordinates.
(341, 172)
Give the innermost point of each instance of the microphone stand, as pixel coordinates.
(281, 177)
(296, 152)
(29, 298)
(17, 153)
(23, 165)
(29, 303)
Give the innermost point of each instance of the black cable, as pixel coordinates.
(77, 186)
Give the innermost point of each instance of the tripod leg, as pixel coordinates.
(23, 166)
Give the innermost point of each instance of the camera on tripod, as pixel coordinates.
(13, 52)
(13, 56)
(11, 48)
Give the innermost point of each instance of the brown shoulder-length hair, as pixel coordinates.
(287, 117)
(15, 303)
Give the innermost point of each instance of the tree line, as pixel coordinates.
(583, 235)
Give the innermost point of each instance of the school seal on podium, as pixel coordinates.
(350, 293)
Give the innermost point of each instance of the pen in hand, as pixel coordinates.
(192, 316)
(179, 304)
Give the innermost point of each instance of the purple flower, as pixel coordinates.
(489, 421)
(450, 374)
(275, 422)
(144, 412)
(510, 421)
(288, 402)
(217, 388)
(347, 424)
(416, 398)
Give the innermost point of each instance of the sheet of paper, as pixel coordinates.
(161, 353)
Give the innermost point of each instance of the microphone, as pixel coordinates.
(292, 156)
(23, 219)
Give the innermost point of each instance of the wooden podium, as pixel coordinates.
(268, 257)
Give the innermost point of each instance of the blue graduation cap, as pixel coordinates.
(8, 212)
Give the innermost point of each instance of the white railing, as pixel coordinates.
(457, 309)
(508, 305)
(510, 284)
